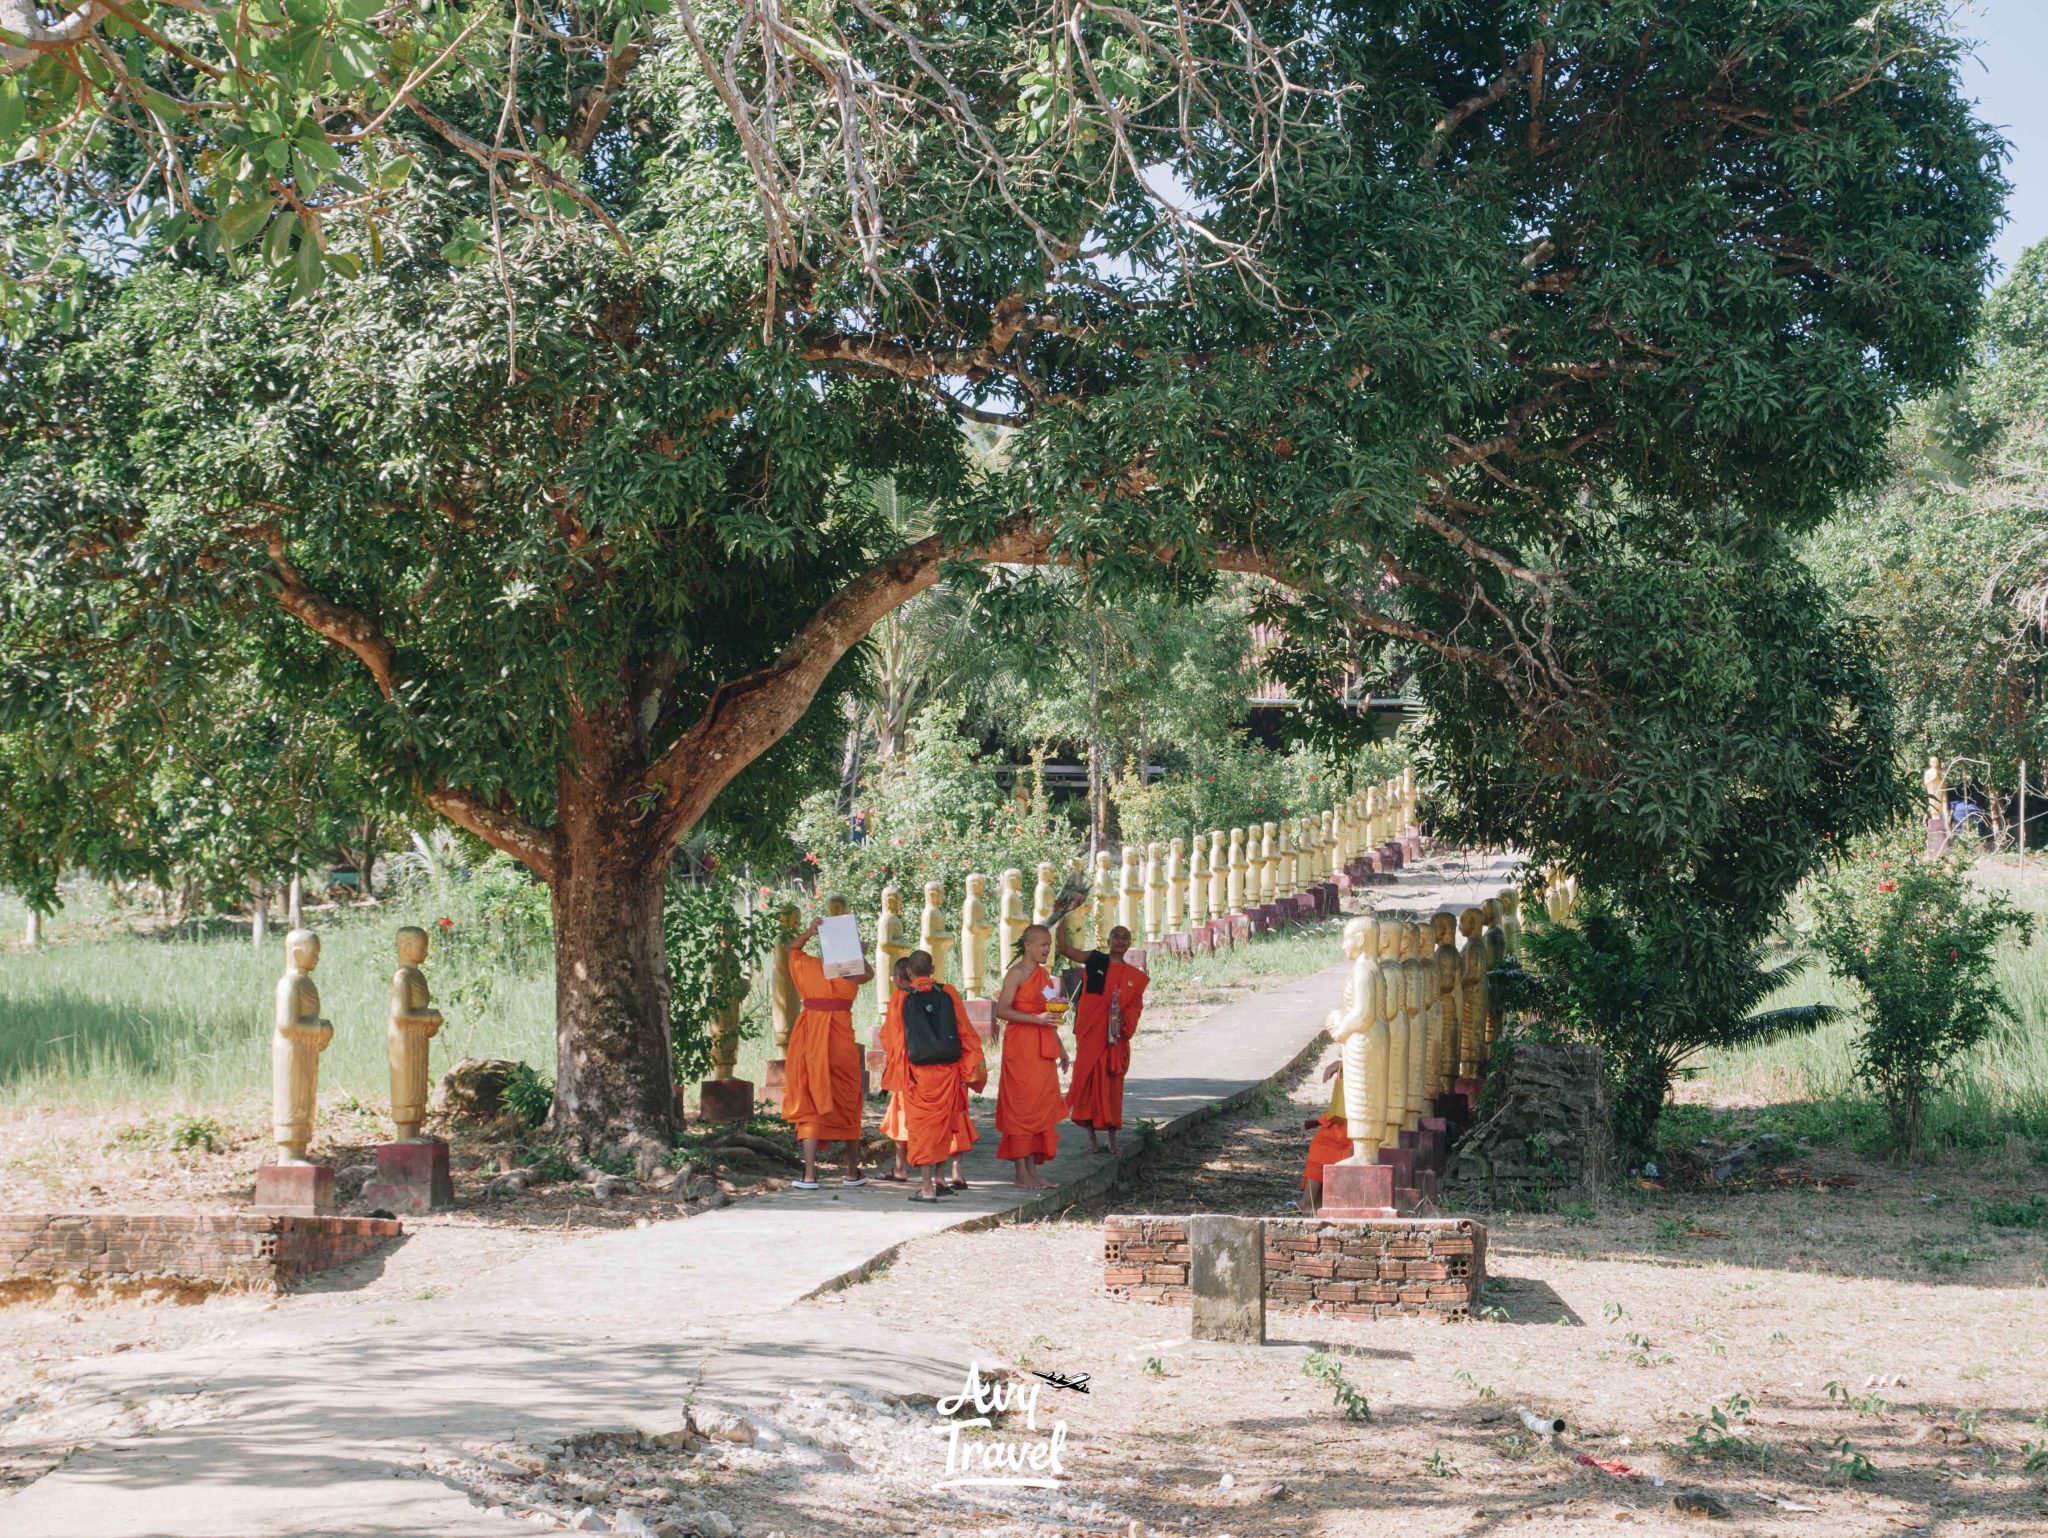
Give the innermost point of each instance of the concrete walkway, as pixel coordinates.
(314, 1420)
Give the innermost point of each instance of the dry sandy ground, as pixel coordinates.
(1875, 1381)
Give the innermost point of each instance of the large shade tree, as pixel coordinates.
(558, 503)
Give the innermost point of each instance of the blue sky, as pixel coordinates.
(2009, 78)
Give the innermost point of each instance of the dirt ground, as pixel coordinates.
(1875, 1344)
(1879, 1356)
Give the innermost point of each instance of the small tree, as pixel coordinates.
(1917, 937)
(1651, 993)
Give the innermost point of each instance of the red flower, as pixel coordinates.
(1887, 886)
(810, 857)
(711, 862)
(764, 891)
(1951, 955)
(447, 923)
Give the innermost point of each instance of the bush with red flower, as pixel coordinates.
(1919, 939)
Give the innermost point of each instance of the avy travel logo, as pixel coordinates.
(1031, 1460)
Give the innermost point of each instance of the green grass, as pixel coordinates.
(102, 1015)
(130, 1018)
(1999, 1090)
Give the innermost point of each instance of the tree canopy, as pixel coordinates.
(1445, 318)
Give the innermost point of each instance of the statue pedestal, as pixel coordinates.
(294, 1190)
(1938, 834)
(773, 1076)
(981, 1014)
(725, 1102)
(411, 1178)
(1401, 1162)
(1432, 1144)
(877, 1061)
(1354, 1190)
(1451, 1109)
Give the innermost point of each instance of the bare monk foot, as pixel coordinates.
(1036, 1182)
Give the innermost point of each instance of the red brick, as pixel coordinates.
(1167, 1276)
(1123, 1276)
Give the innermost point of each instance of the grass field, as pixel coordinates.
(103, 1015)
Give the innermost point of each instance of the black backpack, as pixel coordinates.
(931, 1030)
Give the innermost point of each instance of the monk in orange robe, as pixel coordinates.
(895, 1071)
(1114, 991)
(821, 1078)
(935, 1094)
(1330, 1145)
(1028, 1104)
(974, 1077)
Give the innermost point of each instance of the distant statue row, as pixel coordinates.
(1418, 1014)
(301, 1036)
(1156, 891)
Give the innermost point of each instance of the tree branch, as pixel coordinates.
(361, 636)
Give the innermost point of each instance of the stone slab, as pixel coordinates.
(294, 1190)
(725, 1102)
(1228, 1278)
(411, 1178)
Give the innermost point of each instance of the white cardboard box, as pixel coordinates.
(839, 946)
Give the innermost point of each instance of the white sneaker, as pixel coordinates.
(803, 1185)
(853, 1180)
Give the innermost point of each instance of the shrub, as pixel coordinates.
(529, 1095)
(712, 942)
(1919, 941)
(1650, 993)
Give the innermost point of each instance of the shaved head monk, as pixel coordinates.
(821, 1080)
(1028, 1105)
(942, 1059)
(1112, 997)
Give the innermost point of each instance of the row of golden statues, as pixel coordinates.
(1153, 891)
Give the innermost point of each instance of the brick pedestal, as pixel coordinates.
(1357, 1191)
(1469, 1088)
(411, 1177)
(981, 1014)
(1356, 1268)
(725, 1102)
(1452, 1109)
(877, 1060)
(294, 1190)
(1402, 1162)
(773, 1077)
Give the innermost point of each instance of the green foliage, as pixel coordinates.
(1918, 939)
(1236, 784)
(197, 1134)
(1327, 1368)
(529, 1095)
(1650, 997)
(934, 813)
(1944, 565)
(2003, 1212)
(1724, 1432)
(713, 941)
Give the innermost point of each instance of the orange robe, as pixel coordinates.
(1095, 1098)
(1330, 1145)
(895, 1071)
(1028, 1104)
(935, 1094)
(821, 1077)
(1332, 1142)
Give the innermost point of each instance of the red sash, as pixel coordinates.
(830, 1006)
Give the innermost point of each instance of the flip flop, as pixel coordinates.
(854, 1180)
(803, 1185)
(919, 1196)
(895, 1180)
(957, 1185)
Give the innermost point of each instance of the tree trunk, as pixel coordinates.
(1097, 792)
(259, 915)
(366, 867)
(615, 1075)
(295, 902)
(34, 936)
